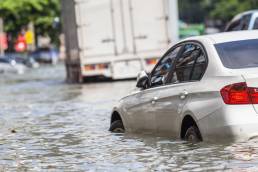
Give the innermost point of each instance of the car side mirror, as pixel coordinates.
(142, 79)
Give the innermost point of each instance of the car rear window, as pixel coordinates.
(239, 54)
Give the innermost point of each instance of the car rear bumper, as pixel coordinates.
(231, 122)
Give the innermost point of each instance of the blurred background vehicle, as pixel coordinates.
(8, 65)
(26, 28)
(244, 21)
(22, 59)
(45, 55)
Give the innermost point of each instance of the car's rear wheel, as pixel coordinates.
(117, 127)
(193, 134)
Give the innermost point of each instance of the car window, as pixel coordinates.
(161, 71)
(240, 24)
(235, 25)
(190, 65)
(256, 23)
(245, 21)
(238, 54)
(199, 67)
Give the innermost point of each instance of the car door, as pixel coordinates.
(140, 112)
(141, 107)
(173, 97)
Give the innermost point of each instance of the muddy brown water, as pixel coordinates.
(48, 125)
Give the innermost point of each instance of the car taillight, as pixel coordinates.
(101, 66)
(239, 93)
(254, 95)
(89, 67)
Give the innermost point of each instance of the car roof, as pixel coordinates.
(245, 13)
(227, 36)
(238, 16)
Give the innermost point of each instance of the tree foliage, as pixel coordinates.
(197, 10)
(18, 13)
(226, 9)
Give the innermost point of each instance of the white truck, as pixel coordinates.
(119, 38)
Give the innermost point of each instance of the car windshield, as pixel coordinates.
(239, 54)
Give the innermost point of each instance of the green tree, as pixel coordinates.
(42, 13)
(226, 9)
(221, 11)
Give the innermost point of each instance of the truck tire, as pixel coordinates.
(117, 127)
(193, 134)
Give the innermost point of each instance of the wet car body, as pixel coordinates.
(200, 92)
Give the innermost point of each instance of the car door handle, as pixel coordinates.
(183, 95)
(154, 99)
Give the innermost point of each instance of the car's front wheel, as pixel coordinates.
(117, 127)
(193, 134)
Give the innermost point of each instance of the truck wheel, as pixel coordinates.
(117, 127)
(193, 134)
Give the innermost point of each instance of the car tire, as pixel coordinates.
(193, 134)
(117, 127)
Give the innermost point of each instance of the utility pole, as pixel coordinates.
(1, 36)
(30, 37)
(31, 31)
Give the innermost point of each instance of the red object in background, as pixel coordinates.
(20, 45)
(3, 41)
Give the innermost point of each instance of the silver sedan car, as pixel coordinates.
(203, 88)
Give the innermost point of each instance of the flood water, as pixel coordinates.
(48, 125)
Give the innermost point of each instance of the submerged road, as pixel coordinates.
(48, 125)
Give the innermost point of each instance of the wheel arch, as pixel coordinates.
(187, 121)
(115, 116)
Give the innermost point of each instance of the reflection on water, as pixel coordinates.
(47, 125)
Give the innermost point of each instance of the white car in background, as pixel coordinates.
(244, 21)
(11, 66)
(203, 88)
